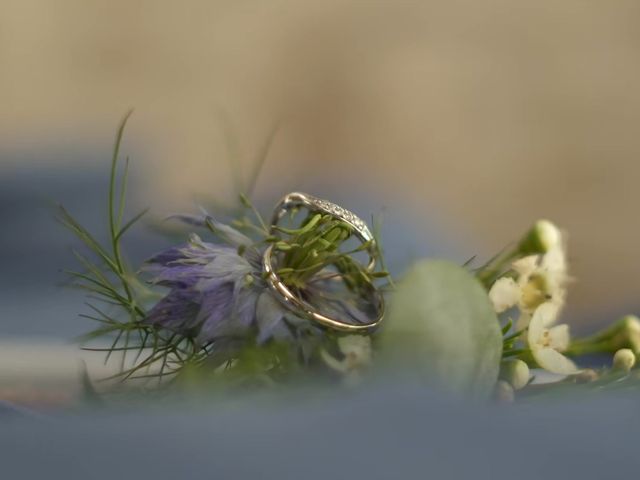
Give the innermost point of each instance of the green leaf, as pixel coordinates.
(442, 329)
(130, 223)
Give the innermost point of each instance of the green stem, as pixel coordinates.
(114, 221)
(492, 270)
(621, 334)
(582, 347)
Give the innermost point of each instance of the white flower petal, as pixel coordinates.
(333, 363)
(549, 312)
(355, 344)
(553, 361)
(559, 337)
(504, 294)
(545, 315)
(555, 260)
(554, 268)
(356, 350)
(525, 266)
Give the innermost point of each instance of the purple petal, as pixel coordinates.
(270, 319)
(245, 306)
(229, 234)
(167, 256)
(215, 312)
(177, 276)
(176, 311)
(193, 220)
(339, 304)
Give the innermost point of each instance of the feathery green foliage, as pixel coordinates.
(117, 297)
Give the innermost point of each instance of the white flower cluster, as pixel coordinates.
(536, 285)
(356, 351)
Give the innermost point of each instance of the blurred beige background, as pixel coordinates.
(492, 113)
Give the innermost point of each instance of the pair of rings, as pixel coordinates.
(298, 305)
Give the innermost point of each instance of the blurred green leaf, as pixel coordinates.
(442, 329)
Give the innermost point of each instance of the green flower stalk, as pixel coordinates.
(625, 333)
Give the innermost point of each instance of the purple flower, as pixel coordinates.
(217, 293)
(213, 292)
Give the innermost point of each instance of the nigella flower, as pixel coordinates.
(214, 291)
(217, 293)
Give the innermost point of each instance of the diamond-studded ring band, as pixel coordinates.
(286, 296)
(298, 199)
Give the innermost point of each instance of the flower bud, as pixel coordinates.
(503, 392)
(624, 360)
(515, 372)
(542, 237)
(632, 332)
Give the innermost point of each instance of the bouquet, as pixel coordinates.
(306, 297)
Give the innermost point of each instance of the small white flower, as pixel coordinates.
(624, 360)
(538, 279)
(356, 351)
(543, 279)
(547, 341)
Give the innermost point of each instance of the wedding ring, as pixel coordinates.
(296, 304)
(314, 204)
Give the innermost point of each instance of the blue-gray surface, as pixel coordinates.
(35, 248)
(400, 432)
